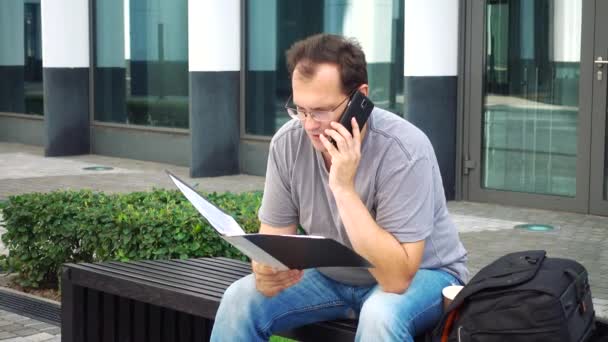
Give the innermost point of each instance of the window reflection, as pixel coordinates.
(141, 62)
(531, 95)
(20, 57)
(274, 25)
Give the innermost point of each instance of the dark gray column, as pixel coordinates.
(214, 123)
(431, 106)
(66, 109)
(214, 65)
(66, 76)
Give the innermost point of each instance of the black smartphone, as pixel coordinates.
(359, 107)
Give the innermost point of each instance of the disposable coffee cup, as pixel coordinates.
(449, 293)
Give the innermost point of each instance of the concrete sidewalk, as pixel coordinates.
(486, 229)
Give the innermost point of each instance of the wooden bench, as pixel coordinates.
(172, 300)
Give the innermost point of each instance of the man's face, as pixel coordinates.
(320, 92)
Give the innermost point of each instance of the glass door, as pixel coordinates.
(599, 138)
(528, 111)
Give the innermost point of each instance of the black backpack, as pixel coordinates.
(521, 296)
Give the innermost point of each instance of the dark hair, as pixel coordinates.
(346, 53)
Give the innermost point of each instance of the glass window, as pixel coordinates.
(531, 103)
(141, 62)
(21, 57)
(274, 25)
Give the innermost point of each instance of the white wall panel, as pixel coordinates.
(430, 38)
(65, 33)
(214, 35)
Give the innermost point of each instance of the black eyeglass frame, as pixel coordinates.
(293, 112)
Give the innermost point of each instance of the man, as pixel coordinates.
(379, 192)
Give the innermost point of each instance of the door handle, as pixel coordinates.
(600, 61)
(600, 65)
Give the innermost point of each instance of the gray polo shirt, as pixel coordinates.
(398, 180)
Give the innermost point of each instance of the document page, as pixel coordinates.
(223, 223)
(280, 251)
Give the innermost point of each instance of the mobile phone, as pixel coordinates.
(360, 107)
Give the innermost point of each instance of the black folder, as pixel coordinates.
(280, 251)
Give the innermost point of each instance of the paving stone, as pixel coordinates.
(15, 318)
(38, 325)
(53, 330)
(40, 337)
(54, 339)
(12, 327)
(6, 334)
(25, 332)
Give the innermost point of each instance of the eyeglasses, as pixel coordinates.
(317, 115)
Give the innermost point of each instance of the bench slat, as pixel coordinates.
(212, 276)
(124, 318)
(169, 323)
(154, 317)
(206, 272)
(142, 278)
(201, 269)
(229, 270)
(139, 321)
(236, 265)
(92, 318)
(109, 308)
(174, 275)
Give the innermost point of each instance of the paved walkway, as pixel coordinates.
(14, 327)
(485, 229)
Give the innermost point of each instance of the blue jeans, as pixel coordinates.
(247, 315)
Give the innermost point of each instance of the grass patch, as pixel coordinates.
(280, 339)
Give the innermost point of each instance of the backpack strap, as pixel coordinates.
(581, 287)
(449, 322)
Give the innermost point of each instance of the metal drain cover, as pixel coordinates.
(535, 227)
(98, 168)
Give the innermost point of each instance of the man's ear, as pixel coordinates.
(364, 89)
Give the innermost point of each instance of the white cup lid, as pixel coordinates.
(450, 292)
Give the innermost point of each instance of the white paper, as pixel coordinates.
(306, 236)
(223, 223)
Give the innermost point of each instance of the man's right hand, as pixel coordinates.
(270, 282)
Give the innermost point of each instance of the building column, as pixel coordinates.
(12, 96)
(430, 77)
(65, 62)
(214, 64)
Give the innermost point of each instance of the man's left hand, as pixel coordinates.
(345, 158)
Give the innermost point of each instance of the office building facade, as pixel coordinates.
(512, 93)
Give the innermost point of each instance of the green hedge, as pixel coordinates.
(46, 230)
